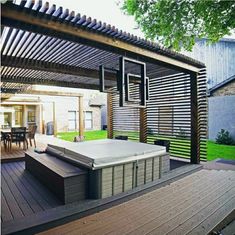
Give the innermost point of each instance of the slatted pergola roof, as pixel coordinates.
(43, 44)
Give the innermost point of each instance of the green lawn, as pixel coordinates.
(213, 150)
(89, 135)
(220, 151)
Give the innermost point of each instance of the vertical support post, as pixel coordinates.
(195, 153)
(54, 119)
(81, 117)
(41, 118)
(77, 115)
(143, 125)
(110, 116)
(24, 118)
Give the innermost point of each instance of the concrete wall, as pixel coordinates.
(221, 115)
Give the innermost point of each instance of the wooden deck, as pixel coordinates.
(16, 154)
(192, 205)
(21, 194)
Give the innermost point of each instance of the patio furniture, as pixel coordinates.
(67, 182)
(121, 137)
(16, 135)
(31, 135)
(165, 143)
(3, 140)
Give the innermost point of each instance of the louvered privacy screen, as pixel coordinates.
(168, 114)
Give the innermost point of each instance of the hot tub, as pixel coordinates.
(114, 166)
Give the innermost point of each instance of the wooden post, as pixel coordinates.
(110, 116)
(81, 117)
(77, 116)
(41, 126)
(24, 116)
(54, 119)
(143, 125)
(195, 153)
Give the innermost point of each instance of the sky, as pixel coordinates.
(107, 11)
(103, 10)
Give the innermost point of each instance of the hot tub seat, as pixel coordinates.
(66, 181)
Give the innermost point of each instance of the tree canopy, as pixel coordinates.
(178, 23)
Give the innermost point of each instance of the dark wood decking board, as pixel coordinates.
(49, 200)
(179, 208)
(5, 211)
(164, 209)
(64, 213)
(22, 194)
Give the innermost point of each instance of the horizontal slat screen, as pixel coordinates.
(202, 113)
(168, 114)
(125, 119)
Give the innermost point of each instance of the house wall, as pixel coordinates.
(218, 58)
(63, 104)
(62, 107)
(228, 89)
(221, 115)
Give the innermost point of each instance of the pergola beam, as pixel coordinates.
(15, 16)
(48, 82)
(54, 93)
(17, 62)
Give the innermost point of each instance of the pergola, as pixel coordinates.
(43, 44)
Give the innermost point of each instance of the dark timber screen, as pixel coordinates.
(168, 114)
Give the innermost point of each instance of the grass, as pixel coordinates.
(220, 151)
(89, 135)
(214, 150)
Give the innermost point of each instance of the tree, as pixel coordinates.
(177, 23)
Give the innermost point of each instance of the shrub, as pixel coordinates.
(223, 137)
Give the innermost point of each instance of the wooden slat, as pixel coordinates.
(13, 14)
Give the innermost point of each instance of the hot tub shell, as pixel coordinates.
(114, 166)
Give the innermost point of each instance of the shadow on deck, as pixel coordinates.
(180, 198)
(27, 205)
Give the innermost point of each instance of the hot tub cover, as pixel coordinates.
(100, 153)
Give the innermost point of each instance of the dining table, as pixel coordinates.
(6, 132)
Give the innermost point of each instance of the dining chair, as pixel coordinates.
(17, 135)
(3, 140)
(31, 135)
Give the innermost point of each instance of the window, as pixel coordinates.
(72, 121)
(7, 120)
(88, 120)
(31, 116)
(18, 115)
